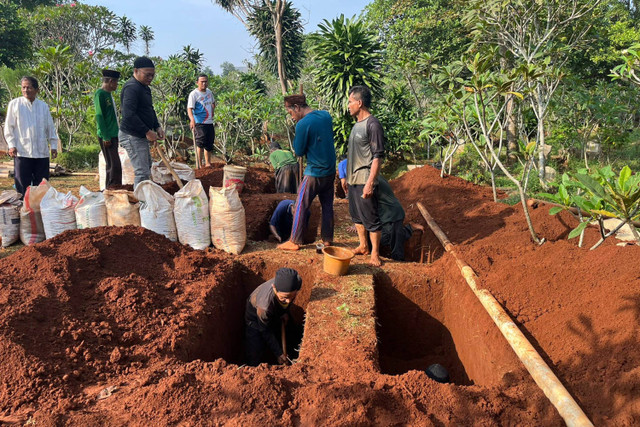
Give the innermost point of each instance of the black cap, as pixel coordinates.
(111, 73)
(274, 146)
(287, 280)
(143, 62)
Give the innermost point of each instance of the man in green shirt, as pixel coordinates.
(107, 123)
(286, 167)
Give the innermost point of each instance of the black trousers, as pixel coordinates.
(112, 162)
(28, 171)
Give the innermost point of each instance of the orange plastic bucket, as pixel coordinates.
(336, 260)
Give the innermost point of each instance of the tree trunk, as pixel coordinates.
(277, 25)
(541, 158)
(512, 145)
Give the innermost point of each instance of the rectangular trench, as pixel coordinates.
(423, 321)
(217, 330)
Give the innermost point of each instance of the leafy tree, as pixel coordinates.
(67, 85)
(238, 120)
(243, 9)
(227, 68)
(32, 4)
(14, 37)
(409, 28)
(261, 26)
(87, 30)
(174, 81)
(540, 37)
(127, 30)
(345, 53)
(192, 56)
(146, 35)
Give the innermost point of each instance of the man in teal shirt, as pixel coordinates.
(314, 139)
(286, 167)
(107, 123)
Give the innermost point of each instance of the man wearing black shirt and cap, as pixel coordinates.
(267, 306)
(139, 125)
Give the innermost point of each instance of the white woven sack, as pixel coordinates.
(31, 227)
(228, 226)
(58, 212)
(122, 208)
(91, 210)
(160, 173)
(128, 175)
(191, 212)
(156, 209)
(10, 205)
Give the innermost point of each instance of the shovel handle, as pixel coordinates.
(168, 165)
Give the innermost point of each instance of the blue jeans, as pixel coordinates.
(140, 155)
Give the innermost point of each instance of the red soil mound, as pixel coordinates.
(580, 308)
(256, 180)
(125, 307)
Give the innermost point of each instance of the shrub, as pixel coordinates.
(83, 157)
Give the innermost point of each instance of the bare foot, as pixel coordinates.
(375, 261)
(208, 165)
(361, 250)
(326, 243)
(416, 226)
(288, 246)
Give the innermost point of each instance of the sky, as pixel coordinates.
(207, 27)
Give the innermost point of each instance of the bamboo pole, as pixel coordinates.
(539, 370)
(168, 165)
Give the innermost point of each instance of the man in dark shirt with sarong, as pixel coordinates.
(268, 306)
(139, 125)
(395, 233)
(364, 159)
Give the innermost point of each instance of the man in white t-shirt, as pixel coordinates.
(200, 106)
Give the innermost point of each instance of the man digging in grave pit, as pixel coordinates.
(107, 124)
(29, 131)
(200, 107)
(364, 159)
(139, 124)
(394, 233)
(268, 306)
(286, 168)
(282, 219)
(314, 139)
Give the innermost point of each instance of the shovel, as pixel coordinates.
(168, 165)
(284, 341)
(195, 149)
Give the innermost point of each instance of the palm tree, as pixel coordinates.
(127, 32)
(243, 9)
(345, 53)
(192, 56)
(147, 36)
(286, 62)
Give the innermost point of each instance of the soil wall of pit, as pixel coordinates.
(437, 319)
